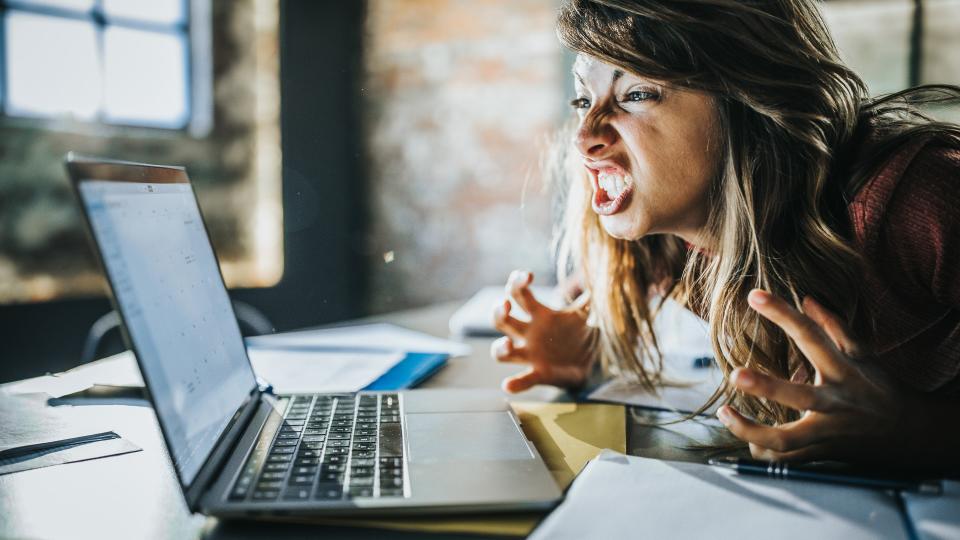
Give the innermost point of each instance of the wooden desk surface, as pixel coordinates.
(136, 495)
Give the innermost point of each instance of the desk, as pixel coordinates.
(136, 495)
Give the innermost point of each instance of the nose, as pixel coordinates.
(594, 136)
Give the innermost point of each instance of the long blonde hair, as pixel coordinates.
(792, 117)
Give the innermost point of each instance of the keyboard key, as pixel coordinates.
(297, 494)
(391, 482)
(269, 485)
(328, 492)
(365, 481)
(312, 444)
(282, 450)
(391, 462)
(391, 473)
(361, 491)
(391, 492)
(334, 459)
(306, 462)
(279, 458)
(364, 454)
(239, 493)
(301, 480)
(267, 495)
(391, 441)
(276, 466)
(361, 472)
(331, 477)
(304, 470)
(285, 442)
(362, 462)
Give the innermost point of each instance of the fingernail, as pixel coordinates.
(743, 378)
(724, 415)
(758, 297)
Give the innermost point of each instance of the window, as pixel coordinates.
(124, 62)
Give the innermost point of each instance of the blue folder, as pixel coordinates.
(409, 372)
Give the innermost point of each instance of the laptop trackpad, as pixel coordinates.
(465, 436)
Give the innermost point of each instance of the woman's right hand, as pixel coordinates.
(556, 344)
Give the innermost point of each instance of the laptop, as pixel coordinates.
(240, 451)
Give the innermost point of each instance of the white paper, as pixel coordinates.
(618, 496)
(683, 337)
(936, 517)
(475, 317)
(289, 371)
(119, 370)
(374, 337)
(308, 372)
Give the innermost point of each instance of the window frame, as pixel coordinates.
(195, 29)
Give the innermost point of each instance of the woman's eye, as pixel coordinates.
(580, 103)
(640, 95)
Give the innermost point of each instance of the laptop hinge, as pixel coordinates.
(222, 450)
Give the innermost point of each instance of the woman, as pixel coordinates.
(726, 158)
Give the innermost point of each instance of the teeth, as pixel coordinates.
(613, 184)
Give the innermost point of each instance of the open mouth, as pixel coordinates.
(612, 190)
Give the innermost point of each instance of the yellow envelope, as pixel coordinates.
(567, 435)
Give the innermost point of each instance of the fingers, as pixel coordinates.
(810, 339)
(832, 325)
(785, 438)
(510, 326)
(802, 397)
(521, 382)
(503, 350)
(518, 287)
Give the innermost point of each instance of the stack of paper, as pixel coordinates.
(346, 359)
(684, 342)
(475, 317)
(618, 496)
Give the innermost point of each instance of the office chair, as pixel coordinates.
(252, 323)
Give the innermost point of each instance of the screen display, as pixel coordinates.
(166, 280)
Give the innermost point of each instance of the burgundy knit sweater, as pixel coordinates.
(906, 223)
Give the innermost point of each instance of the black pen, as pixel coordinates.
(786, 471)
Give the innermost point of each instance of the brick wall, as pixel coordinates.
(461, 98)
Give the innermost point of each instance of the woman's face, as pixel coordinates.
(650, 151)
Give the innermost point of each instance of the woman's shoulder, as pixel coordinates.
(916, 167)
(907, 215)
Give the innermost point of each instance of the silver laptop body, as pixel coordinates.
(241, 451)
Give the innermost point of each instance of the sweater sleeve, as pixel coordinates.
(920, 234)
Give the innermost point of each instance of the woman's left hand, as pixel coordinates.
(852, 411)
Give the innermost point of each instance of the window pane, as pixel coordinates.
(155, 11)
(52, 66)
(145, 77)
(73, 5)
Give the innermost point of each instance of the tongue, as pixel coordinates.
(603, 196)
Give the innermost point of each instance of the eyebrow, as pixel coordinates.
(617, 73)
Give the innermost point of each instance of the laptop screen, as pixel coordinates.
(166, 281)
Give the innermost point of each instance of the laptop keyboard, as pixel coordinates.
(327, 447)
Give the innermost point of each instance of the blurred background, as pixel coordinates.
(350, 157)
